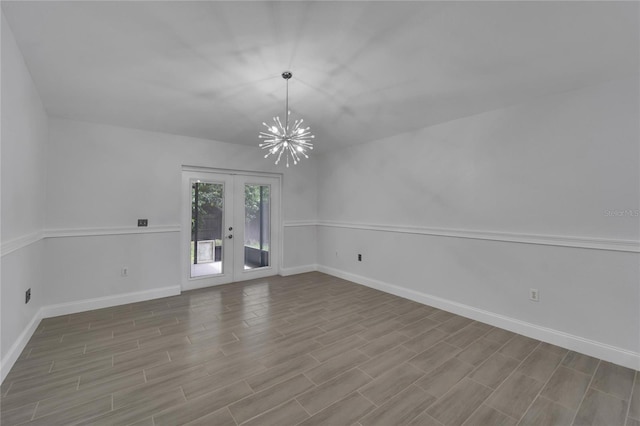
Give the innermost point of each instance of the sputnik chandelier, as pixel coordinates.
(290, 141)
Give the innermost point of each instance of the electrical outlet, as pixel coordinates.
(27, 296)
(143, 222)
(124, 272)
(359, 257)
(534, 295)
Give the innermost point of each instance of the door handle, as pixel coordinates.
(230, 236)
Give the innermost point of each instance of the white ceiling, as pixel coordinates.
(362, 70)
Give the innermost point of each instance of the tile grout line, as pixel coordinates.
(483, 401)
(575, 415)
(462, 348)
(544, 385)
(578, 371)
(368, 375)
(253, 392)
(35, 409)
(612, 394)
(494, 408)
(431, 417)
(274, 408)
(633, 383)
(443, 395)
(184, 395)
(374, 404)
(497, 351)
(231, 413)
(9, 388)
(510, 374)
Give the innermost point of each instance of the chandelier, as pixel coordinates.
(290, 141)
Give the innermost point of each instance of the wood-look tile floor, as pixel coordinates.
(309, 349)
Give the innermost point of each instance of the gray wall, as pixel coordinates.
(475, 212)
(24, 148)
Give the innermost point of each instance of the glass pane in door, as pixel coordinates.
(257, 226)
(206, 228)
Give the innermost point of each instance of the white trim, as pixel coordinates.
(600, 350)
(204, 169)
(552, 240)
(20, 242)
(285, 272)
(92, 232)
(18, 346)
(26, 240)
(108, 301)
(292, 223)
(549, 240)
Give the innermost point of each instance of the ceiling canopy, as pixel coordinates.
(362, 70)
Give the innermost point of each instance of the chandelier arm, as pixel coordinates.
(279, 155)
(294, 155)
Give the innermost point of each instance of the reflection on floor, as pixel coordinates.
(202, 269)
(211, 268)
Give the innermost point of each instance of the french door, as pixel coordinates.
(231, 227)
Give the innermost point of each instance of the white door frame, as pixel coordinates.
(231, 273)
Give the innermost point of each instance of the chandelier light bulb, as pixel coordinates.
(288, 140)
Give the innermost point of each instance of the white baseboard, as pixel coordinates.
(107, 301)
(610, 353)
(298, 270)
(18, 346)
(589, 347)
(74, 307)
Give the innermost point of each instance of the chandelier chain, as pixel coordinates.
(286, 110)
